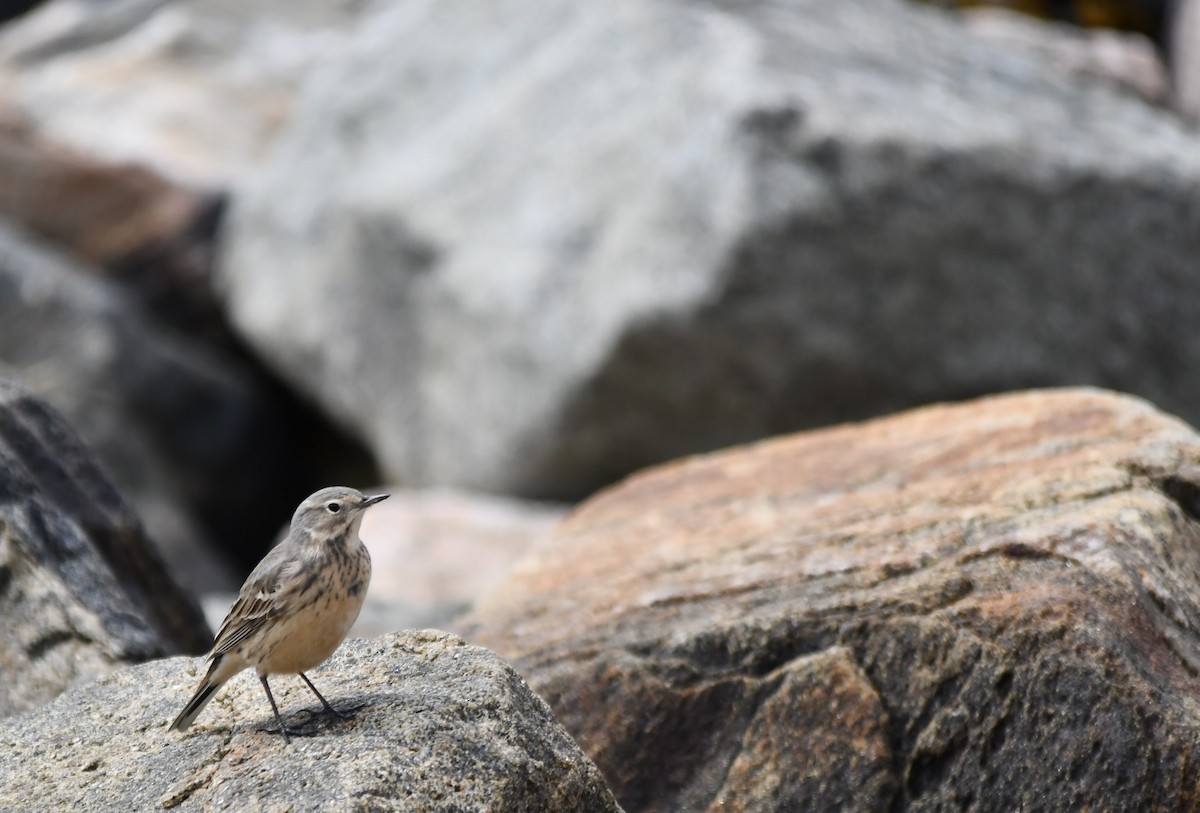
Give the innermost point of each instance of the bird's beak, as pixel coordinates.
(369, 501)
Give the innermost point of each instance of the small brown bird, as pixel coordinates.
(298, 604)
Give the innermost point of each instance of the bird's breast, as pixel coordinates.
(323, 616)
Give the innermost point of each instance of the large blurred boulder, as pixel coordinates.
(82, 590)
(104, 214)
(990, 606)
(531, 252)
(194, 89)
(152, 235)
(185, 431)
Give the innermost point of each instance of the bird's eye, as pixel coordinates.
(333, 507)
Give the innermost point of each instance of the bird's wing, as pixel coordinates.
(262, 599)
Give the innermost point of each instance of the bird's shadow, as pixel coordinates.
(317, 720)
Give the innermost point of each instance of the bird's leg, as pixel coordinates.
(282, 728)
(324, 702)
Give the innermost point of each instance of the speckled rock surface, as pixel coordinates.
(990, 606)
(437, 725)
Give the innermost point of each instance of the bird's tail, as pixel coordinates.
(213, 681)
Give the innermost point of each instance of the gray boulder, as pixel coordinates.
(195, 89)
(437, 725)
(530, 253)
(185, 431)
(82, 590)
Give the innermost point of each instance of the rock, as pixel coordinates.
(1125, 60)
(103, 214)
(81, 588)
(435, 552)
(153, 236)
(529, 253)
(187, 432)
(1185, 57)
(194, 89)
(436, 726)
(984, 606)
(15, 8)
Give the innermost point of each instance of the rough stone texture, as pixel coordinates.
(81, 588)
(991, 606)
(194, 88)
(529, 253)
(437, 726)
(186, 432)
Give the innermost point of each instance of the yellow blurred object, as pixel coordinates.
(1143, 16)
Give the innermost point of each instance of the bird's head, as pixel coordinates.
(332, 512)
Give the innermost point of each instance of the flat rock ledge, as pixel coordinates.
(437, 725)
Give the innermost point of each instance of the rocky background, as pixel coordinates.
(496, 257)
